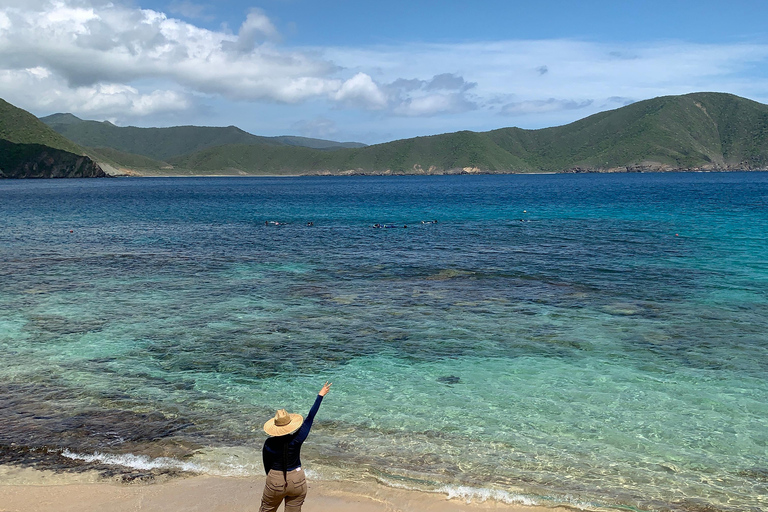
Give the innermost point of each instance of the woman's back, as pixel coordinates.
(282, 457)
(283, 453)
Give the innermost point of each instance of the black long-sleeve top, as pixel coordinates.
(273, 446)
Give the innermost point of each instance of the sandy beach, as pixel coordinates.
(27, 490)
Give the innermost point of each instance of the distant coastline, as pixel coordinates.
(134, 174)
(687, 133)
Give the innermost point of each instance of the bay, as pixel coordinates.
(597, 340)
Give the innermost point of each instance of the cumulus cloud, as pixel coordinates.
(444, 93)
(38, 87)
(360, 90)
(448, 82)
(434, 104)
(256, 29)
(95, 46)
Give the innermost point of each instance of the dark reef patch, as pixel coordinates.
(40, 422)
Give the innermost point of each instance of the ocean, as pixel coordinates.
(596, 340)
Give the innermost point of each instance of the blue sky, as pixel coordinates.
(371, 71)
(355, 23)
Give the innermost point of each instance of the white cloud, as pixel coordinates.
(36, 86)
(360, 90)
(157, 101)
(5, 22)
(91, 46)
(433, 104)
(75, 17)
(445, 93)
(39, 73)
(255, 29)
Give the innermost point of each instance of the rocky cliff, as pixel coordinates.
(38, 161)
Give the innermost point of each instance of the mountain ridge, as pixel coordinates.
(696, 131)
(163, 143)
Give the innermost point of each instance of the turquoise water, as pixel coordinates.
(598, 340)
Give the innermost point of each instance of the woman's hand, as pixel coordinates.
(326, 388)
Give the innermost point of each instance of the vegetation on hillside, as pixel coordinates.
(20, 127)
(128, 161)
(693, 131)
(700, 130)
(164, 143)
(30, 149)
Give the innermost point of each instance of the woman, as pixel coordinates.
(282, 450)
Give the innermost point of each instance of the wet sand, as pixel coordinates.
(26, 490)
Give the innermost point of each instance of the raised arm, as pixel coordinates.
(307, 425)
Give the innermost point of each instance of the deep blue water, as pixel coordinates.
(590, 339)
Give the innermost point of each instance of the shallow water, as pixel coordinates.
(591, 339)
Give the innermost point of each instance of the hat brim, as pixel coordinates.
(274, 430)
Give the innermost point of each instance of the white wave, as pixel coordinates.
(477, 493)
(129, 460)
(143, 462)
(480, 494)
(466, 493)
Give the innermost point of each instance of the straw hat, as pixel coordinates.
(283, 423)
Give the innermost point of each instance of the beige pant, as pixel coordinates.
(276, 489)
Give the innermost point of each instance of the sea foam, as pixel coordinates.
(470, 494)
(143, 462)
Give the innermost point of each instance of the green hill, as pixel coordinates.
(700, 130)
(164, 143)
(121, 163)
(695, 130)
(403, 156)
(30, 149)
(21, 127)
(306, 142)
(692, 131)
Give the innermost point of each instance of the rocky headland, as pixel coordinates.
(38, 161)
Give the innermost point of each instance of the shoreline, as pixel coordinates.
(397, 174)
(32, 490)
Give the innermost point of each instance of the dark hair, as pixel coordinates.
(285, 461)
